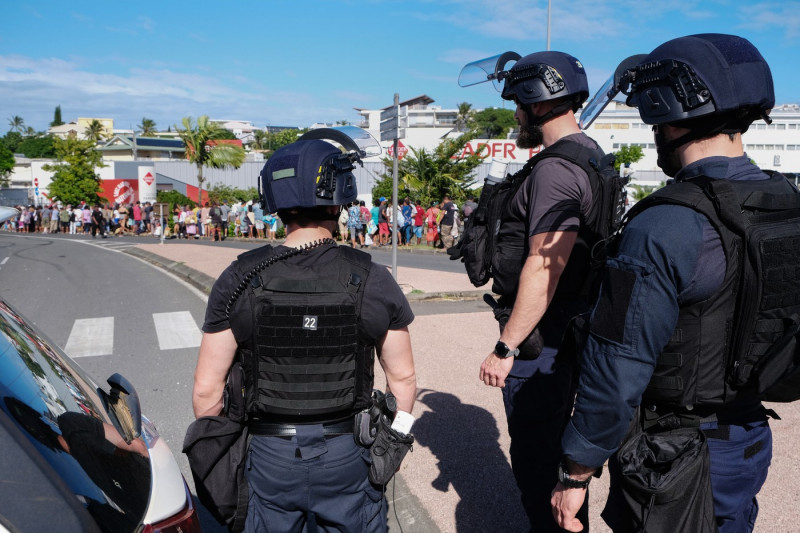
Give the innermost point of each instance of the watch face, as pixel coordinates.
(501, 349)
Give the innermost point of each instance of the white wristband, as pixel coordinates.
(403, 422)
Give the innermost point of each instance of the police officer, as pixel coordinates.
(537, 269)
(305, 319)
(661, 327)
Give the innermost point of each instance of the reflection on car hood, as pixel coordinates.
(68, 431)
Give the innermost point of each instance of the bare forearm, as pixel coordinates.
(217, 351)
(397, 362)
(405, 390)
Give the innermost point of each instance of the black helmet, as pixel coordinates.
(312, 172)
(546, 76)
(701, 75)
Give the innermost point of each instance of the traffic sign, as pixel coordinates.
(394, 121)
(401, 150)
(35, 182)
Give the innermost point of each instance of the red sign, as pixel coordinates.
(401, 150)
(35, 182)
(148, 178)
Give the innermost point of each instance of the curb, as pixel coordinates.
(197, 279)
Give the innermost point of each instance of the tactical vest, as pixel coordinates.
(717, 343)
(307, 358)
(573, 292)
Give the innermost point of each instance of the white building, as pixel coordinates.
(427, 124)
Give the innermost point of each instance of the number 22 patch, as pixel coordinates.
(310, 322)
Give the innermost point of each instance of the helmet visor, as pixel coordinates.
(616, 83)
(351, 138)
(489, 69)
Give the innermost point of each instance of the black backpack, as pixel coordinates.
(477, 243)
(764, 347)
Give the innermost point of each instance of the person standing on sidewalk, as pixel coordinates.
(304, 320)
(673, 335)
(539, 262)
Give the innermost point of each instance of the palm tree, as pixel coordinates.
(17, 124)
(260, 139)
(147, 127)
(30, 132)
(202, 151)
(463, 116)
(95, 131)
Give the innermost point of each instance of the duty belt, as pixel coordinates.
(344, 427)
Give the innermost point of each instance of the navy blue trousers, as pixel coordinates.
(538, 399)
(739, 466)
(316, 484)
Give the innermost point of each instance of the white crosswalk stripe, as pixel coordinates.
(91, 336)
(176, 330)
(95, 336)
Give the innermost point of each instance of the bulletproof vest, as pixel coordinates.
(574, 290)
(717, 343)
(307, 358)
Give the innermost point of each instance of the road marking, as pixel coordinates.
(91, 336)
(176, 330)
(3, 262)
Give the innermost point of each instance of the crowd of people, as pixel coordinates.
(213, 220)
(439, 224)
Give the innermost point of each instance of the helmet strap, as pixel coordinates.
(558, 110)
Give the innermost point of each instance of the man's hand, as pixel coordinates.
(494, 370)
(566, 503)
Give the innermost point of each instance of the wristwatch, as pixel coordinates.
(568, 482)
(502, 350)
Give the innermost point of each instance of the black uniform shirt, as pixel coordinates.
(383, 307)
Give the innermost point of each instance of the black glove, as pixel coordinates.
(388, 451)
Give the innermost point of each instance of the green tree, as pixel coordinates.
(282, 138)
(7, 163)
(74, 176)
(174, 198)
(12, 140)
(147, 128)
(200, 152)
(95, 131)
(57, 117)
(428, 176)
(628, 154)
(260, 138)
(38, 147)
(493, 123)
(17, 124)
(225, 193)
(464, 116)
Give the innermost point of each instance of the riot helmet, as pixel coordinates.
(537, 77)
(313, 172)
(721, 77)
(546, 76)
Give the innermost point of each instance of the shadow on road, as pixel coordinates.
(464, 439)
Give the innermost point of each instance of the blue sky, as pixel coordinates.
(298, 62)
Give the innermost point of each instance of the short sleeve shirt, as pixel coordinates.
(384, 306)
(557, 196)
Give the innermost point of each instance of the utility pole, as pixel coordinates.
(548, 24)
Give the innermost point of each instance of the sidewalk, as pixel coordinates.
(458, 478)
(195, 264)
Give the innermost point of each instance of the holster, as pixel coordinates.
(387, 452)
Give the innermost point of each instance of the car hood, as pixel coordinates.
(57, 421)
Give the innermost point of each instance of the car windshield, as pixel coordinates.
(60, 411)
